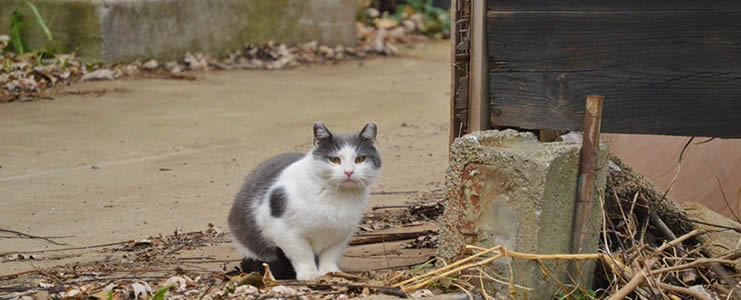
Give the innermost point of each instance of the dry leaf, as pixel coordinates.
(141, 289)
(99, 74)
(385, 23)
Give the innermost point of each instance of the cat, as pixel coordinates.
(298, 211)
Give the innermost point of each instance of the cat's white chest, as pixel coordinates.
(329, 213)
(325, 220)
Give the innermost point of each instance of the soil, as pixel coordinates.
(143, 157)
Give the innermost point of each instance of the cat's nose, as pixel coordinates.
(349, 173)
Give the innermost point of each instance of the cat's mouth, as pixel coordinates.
(349, 181)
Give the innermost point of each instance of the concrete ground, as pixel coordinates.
(153, 156)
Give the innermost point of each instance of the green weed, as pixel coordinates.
(161, 292)
(437, 20)
(17, 25)
(590, 294)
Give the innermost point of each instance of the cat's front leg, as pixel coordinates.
(329, 259)
(299, 252)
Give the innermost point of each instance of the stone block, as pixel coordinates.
(126, 30)
(506, 188)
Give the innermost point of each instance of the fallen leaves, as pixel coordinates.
(154, 267)
(30, 76)
(99, 74)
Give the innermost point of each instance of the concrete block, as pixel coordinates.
(506, 188)
(126, 30)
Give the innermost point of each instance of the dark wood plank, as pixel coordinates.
(598, 5)
(661, 72)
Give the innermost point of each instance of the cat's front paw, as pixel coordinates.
(310, 275)
(329, 269)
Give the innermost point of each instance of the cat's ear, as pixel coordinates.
(369, 131)
(321, 132)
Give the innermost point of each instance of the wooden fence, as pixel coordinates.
(664, 67)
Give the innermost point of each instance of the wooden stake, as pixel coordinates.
(587, 173)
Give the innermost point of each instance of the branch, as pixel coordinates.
(32, 236)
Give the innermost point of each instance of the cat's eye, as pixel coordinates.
(359, 159)
(334, 159)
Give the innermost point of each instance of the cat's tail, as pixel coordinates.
(281, 268)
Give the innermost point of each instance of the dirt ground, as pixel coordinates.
(132, 158)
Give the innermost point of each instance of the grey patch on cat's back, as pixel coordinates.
(278, 201)
(241, 217)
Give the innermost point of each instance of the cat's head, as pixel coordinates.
(348, 160)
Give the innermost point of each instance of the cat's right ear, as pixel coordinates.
(321, 132)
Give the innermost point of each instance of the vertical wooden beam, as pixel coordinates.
(587, 172)
(453, 78)
(478, 105)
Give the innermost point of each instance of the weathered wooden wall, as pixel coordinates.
(664, 67)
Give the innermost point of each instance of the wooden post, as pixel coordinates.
(478, 105)
(587, 171)
(453, 78)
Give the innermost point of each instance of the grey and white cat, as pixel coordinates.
(297, 212)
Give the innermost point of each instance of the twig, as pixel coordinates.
(402, 192)
(730, 281)
(698, 262)
(675, 242)
(394, 291)
(455, 264)
(18, 274)
(638, 278)
(374, 238)
(120, 278)
(399, 267)
(714, 225)
(215, 261)
(682, 290)
(30, 236)
(66, 249)
(31, 288)
(391, 207)
(676, 173)
(211, 285)
(393, 192)
(723, 193)
(48, 275)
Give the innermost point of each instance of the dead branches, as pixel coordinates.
(26, 235)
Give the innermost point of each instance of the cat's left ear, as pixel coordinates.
(321, 133)
(369, 132)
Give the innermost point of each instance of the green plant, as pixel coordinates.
(590, 294)
(17, 25)
(160, 294)
(436, 20)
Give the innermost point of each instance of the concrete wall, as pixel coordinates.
(125, 30)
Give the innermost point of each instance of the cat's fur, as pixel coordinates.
(297, 212)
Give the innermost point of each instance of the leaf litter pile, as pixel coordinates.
(34, 75)
(650, 248)
(161, 267)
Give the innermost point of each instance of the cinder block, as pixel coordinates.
(506, 188)
(126, 30)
